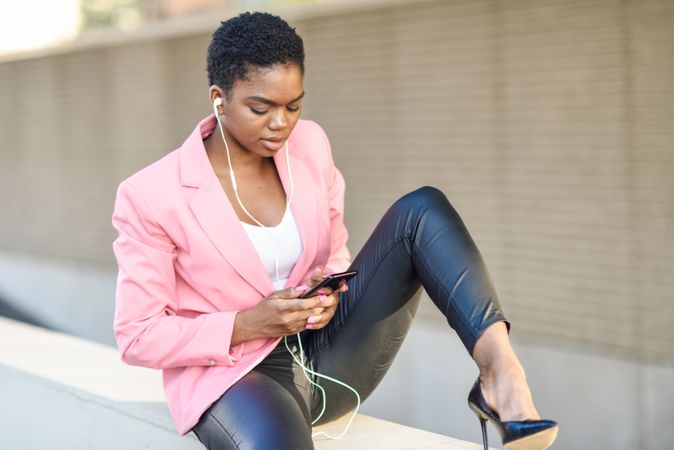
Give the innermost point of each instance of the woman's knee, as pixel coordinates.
(426, 197)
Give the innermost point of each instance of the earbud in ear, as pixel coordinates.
(217, 102)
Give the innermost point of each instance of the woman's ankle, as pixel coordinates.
(507, 391)
(502, 376)
(492, 351)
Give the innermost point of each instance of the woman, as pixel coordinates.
(218, 240)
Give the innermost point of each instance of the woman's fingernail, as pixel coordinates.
(321, 292)
(301, 288)
(309, 326)
(312, 319)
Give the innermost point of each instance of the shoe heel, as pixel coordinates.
(483, 425)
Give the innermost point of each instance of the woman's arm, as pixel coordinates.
(147, 329)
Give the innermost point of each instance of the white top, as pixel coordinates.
(283, 241)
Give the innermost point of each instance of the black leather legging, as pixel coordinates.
(421, 240)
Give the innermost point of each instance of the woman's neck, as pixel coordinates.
(243, 160)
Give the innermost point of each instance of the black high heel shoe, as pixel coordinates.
(515, 434)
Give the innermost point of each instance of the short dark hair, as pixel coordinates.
(250, 41)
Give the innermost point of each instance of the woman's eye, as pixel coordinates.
(293, 108)
(257, 111)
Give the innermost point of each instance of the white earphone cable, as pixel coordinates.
(299, 361)
(308, 371)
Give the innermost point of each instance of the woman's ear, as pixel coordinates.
(218, 99)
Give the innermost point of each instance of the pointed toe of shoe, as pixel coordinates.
(529, 434)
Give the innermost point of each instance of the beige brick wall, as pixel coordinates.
(547, 123)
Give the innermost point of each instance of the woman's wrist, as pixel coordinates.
(242, 330)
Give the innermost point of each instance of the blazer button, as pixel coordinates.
(211, 362)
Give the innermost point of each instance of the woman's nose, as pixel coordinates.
(278, 120)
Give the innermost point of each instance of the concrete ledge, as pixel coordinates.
(59, 392)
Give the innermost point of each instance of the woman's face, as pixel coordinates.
(262, 110)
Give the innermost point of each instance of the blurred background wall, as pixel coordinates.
(548, 124)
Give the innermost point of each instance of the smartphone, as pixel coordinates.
(331, 281)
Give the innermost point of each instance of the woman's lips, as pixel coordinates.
(273, 143)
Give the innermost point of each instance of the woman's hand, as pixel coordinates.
(329, 300)
(283, 313)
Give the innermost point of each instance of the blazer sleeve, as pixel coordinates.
(147, 328)
(340, 258)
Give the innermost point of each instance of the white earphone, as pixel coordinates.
(298, 359)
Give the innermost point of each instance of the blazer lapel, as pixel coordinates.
(304, 209)
(214, 212)
(219, 221)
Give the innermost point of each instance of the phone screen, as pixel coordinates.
(331, 281)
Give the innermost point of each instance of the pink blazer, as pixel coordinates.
(186, 265)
